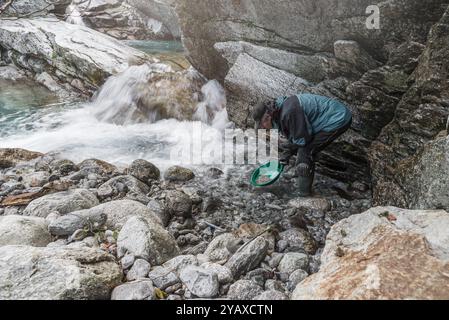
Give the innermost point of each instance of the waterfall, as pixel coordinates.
(74, 16)
(212, 110)
(135, 96)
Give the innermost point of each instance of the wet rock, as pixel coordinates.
(360, 252)
(61, 202)
(178, 174)
(70, 222)
(200, 282)
(20, 230)
(211, 204)
(57, 273)
(137, 290)
(124, 187)
(62, 167)
(223, 273)
(36, 179)
(248, 257)
(271, 295)
(140, 269)
(178, 204)
(144, 171)
(11, 157)
(96, 166)
(146, 240)
(163, 277)
(214, 173)
(244, 290)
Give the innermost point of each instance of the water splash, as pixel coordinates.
(74, 15)
(113, 126)
(212, 110)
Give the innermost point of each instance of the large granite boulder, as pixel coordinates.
(58, 273)
(383, 253)
(61, 202)
(20, 230)
(48, 47)
(35, 8)
(131, 19)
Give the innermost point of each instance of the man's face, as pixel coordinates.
(265, 123)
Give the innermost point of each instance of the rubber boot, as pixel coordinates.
(306, 174)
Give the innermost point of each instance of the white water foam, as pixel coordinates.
(88, 131)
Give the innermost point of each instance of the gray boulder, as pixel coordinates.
(124, 187)
(137, 290)
(147, 240)
(248, 257)
(57, 273)
(61, 202)
(74, 51)
(244, 290)
(119, 211)
(144, 171)
(179, 204)
(223, 273)
(163, 277)
(178, 174)
(21, 230)
(69, 223)
(218, 248)
(200, 282)
(139, 270)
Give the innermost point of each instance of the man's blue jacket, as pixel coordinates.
(301, 116)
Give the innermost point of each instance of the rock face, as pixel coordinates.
(45, 45)
(35, 8)
(131, 19)
(56, 273)
(420, 116)
(19, 230)
(384, 253)
(325, 47)
(304, 25)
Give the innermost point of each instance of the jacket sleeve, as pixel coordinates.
(296, 125)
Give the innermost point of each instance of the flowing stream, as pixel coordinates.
(31, 118)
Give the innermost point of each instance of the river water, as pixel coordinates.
(32, 118)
